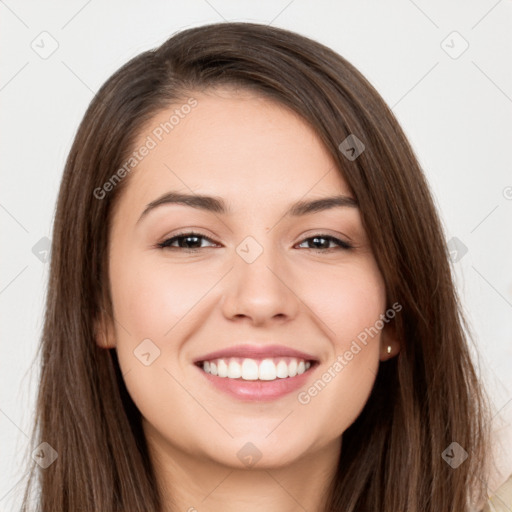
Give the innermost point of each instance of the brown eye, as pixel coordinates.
(317, 240)
(187, 241)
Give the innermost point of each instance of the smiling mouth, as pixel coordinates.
(248, 369)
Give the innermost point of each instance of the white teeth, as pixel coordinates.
(267, 370)
(257, 369)
(234, 370)
(282, 369)
(222, 368)
(249, 369)
(292, 368)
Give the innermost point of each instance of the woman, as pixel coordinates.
(250, 303)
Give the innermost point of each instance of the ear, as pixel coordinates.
(104, 333)
(389, 338)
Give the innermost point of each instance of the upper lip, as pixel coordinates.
(256, 351)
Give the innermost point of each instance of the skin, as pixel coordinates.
(259, 157)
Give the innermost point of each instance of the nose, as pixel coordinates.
(260, 290)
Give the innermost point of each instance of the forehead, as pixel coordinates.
(234, 144)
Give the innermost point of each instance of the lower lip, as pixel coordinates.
(259, 390)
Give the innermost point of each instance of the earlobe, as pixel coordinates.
(389, 343)
(103, 332)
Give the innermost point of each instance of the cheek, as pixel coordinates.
(151, 300)
(343, 384)
(347, 301)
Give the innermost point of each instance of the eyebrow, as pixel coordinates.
(218, 205)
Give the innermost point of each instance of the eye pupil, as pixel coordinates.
(195, 238)
(316, 238)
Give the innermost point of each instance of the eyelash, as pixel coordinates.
(166, 243)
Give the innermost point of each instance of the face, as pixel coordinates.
(258, 280)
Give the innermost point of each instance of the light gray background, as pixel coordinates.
(455, 109)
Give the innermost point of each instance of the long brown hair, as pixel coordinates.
(423, 400)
